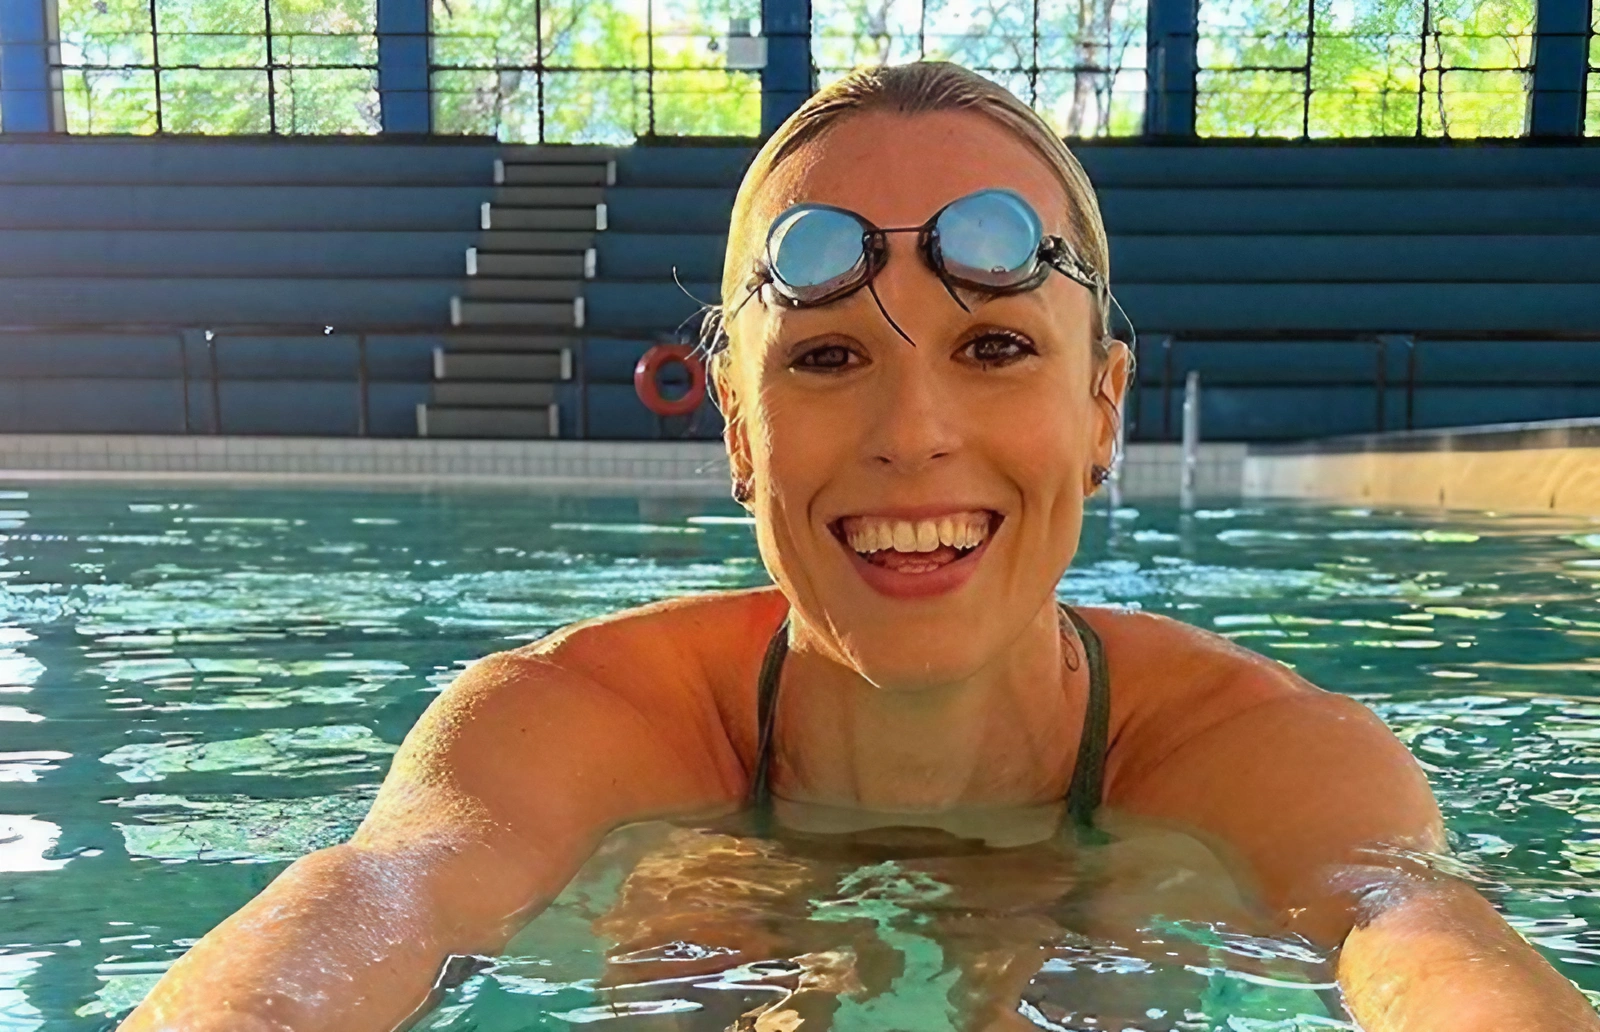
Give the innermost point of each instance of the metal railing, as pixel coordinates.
(1394, 368)
(202, 371)
(1164, 352)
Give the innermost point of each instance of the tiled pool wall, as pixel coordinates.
(694, 467)
(1548, 466)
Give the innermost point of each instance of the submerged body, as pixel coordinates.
(468, 825)
(917, 459)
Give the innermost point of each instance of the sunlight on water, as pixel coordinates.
(198, 686)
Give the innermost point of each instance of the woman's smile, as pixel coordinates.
(915, 554)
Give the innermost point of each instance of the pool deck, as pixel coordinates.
(1548, 466)
(694, 468)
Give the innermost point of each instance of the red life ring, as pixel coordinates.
(644, 379)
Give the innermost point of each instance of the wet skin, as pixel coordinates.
(896, 698)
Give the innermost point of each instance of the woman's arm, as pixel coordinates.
(498, 795)
(1435, 954)
(1335, 820)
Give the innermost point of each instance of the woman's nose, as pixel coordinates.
(914, 422)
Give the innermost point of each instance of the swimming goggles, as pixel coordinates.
(991, 242)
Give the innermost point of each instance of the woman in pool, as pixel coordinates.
(915, 419)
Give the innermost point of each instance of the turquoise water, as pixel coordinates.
(197, 686)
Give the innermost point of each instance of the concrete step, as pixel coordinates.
(485, 288)
(557, 153)
(511, 343)
(464, 312)
(492, 394)
(449, 421)
(549, 196)
(552, 365)
(563, 266)
(544, 173)
(495, 216)
(561, 241)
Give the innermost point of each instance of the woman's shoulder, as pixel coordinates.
(689, 636)
(679, 661)
(1176, 686)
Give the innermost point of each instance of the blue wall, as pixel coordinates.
(116, 255)
(1270, 269)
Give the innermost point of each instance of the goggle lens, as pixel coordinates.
(990, 238)
(815, 250)
(988, 241)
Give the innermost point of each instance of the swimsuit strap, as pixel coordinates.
(767, 712)
(1088, 775)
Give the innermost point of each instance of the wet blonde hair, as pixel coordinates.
(910, 89)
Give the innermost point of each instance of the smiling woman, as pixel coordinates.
(915, 423)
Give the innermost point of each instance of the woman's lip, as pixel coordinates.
(916, 512)
(945, 579)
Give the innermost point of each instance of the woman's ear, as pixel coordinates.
(1110, 392)
(735, 436)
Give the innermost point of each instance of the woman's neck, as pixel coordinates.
(1007, 735)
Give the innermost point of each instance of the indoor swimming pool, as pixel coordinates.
(198, 685)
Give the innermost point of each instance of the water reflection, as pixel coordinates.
(901, 928)
(199, 686)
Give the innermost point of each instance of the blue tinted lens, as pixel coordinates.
(815, 249)
(990, 237)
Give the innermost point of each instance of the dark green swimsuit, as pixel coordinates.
(1083, 797)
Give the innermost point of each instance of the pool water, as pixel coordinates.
(199, 685)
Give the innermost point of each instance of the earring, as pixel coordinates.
(743, 491)
(1099, 474)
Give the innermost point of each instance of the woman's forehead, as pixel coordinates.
(897, 170)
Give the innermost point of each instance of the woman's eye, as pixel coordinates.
(830, 356)
(998, 349)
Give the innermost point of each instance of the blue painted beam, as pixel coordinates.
(226, 300)
(1171, 28)
(317, 208)
(1235, 307)
(404, 90)
(30, 90)
(1560, 68)
(1171, 257)
(1418, 208)
(435, 161)
(233, 252)
(786, 80)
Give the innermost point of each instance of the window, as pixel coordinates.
(1591, 115)
(1330, 68)
(220, 66)
(1080, 63)
(591, 71)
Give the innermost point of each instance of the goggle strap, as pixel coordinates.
(873, 290)
(948, 289)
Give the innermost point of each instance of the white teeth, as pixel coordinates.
(961, 530)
